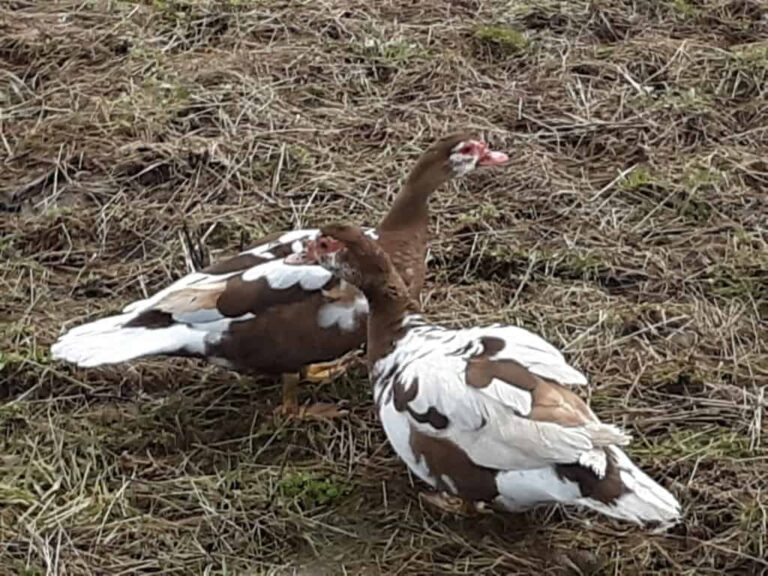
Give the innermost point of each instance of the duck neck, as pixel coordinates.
(389, 305)
(410, 208)
(404, 231)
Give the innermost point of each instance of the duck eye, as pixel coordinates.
(323, 243)
(466, 149)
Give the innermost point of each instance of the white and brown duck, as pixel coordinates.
(255, 313)
(484, 415)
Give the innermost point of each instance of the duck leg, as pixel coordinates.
(453, 504)
(324, 371)
(290, 406)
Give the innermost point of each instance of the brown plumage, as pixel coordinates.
(256, 314)
(485, 415)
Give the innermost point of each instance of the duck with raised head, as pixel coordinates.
(484, 415)
(255, 313)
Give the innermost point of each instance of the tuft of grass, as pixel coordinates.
(308, 490)
(752, 56)
(753, 520)
(729, 282)
(582, 264)
(507, 40)
(14, 495)
(638, 179)
(709, 444)
(486, 212)
(687, 100)
(702, 178)
(683, 8)
(694, 208)
(299, 155)
(11, 359)
(393, 51)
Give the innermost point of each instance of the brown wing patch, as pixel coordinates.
(555, 403)
(285, 338)
(550, 401)
(607, 489)
(193, 299)
(432, 416)
(444, 458)
(402, 395)
(240, 297)
(481, 370)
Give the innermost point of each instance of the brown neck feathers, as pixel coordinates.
(409, 209)
(389, 304)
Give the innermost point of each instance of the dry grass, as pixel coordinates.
(630, 228)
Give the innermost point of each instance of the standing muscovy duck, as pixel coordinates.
(254, 313)
(484, 415)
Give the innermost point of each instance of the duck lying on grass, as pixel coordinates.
(484, 415)
(253, 313)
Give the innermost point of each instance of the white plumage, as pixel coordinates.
(342, 314)
(105, 345)
(494, 425)
(281, 276)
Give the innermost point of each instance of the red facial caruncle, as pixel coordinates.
(480, 150)
(315, 251)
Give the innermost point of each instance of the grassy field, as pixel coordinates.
(139, 140)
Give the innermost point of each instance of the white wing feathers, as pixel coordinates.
(533, 352)
(491, 423)
(278, 274)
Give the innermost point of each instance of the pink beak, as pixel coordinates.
(492, 158)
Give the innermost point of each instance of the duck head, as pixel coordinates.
(348, 253)
(469, 153)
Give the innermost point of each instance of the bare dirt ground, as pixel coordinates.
(629, 228)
